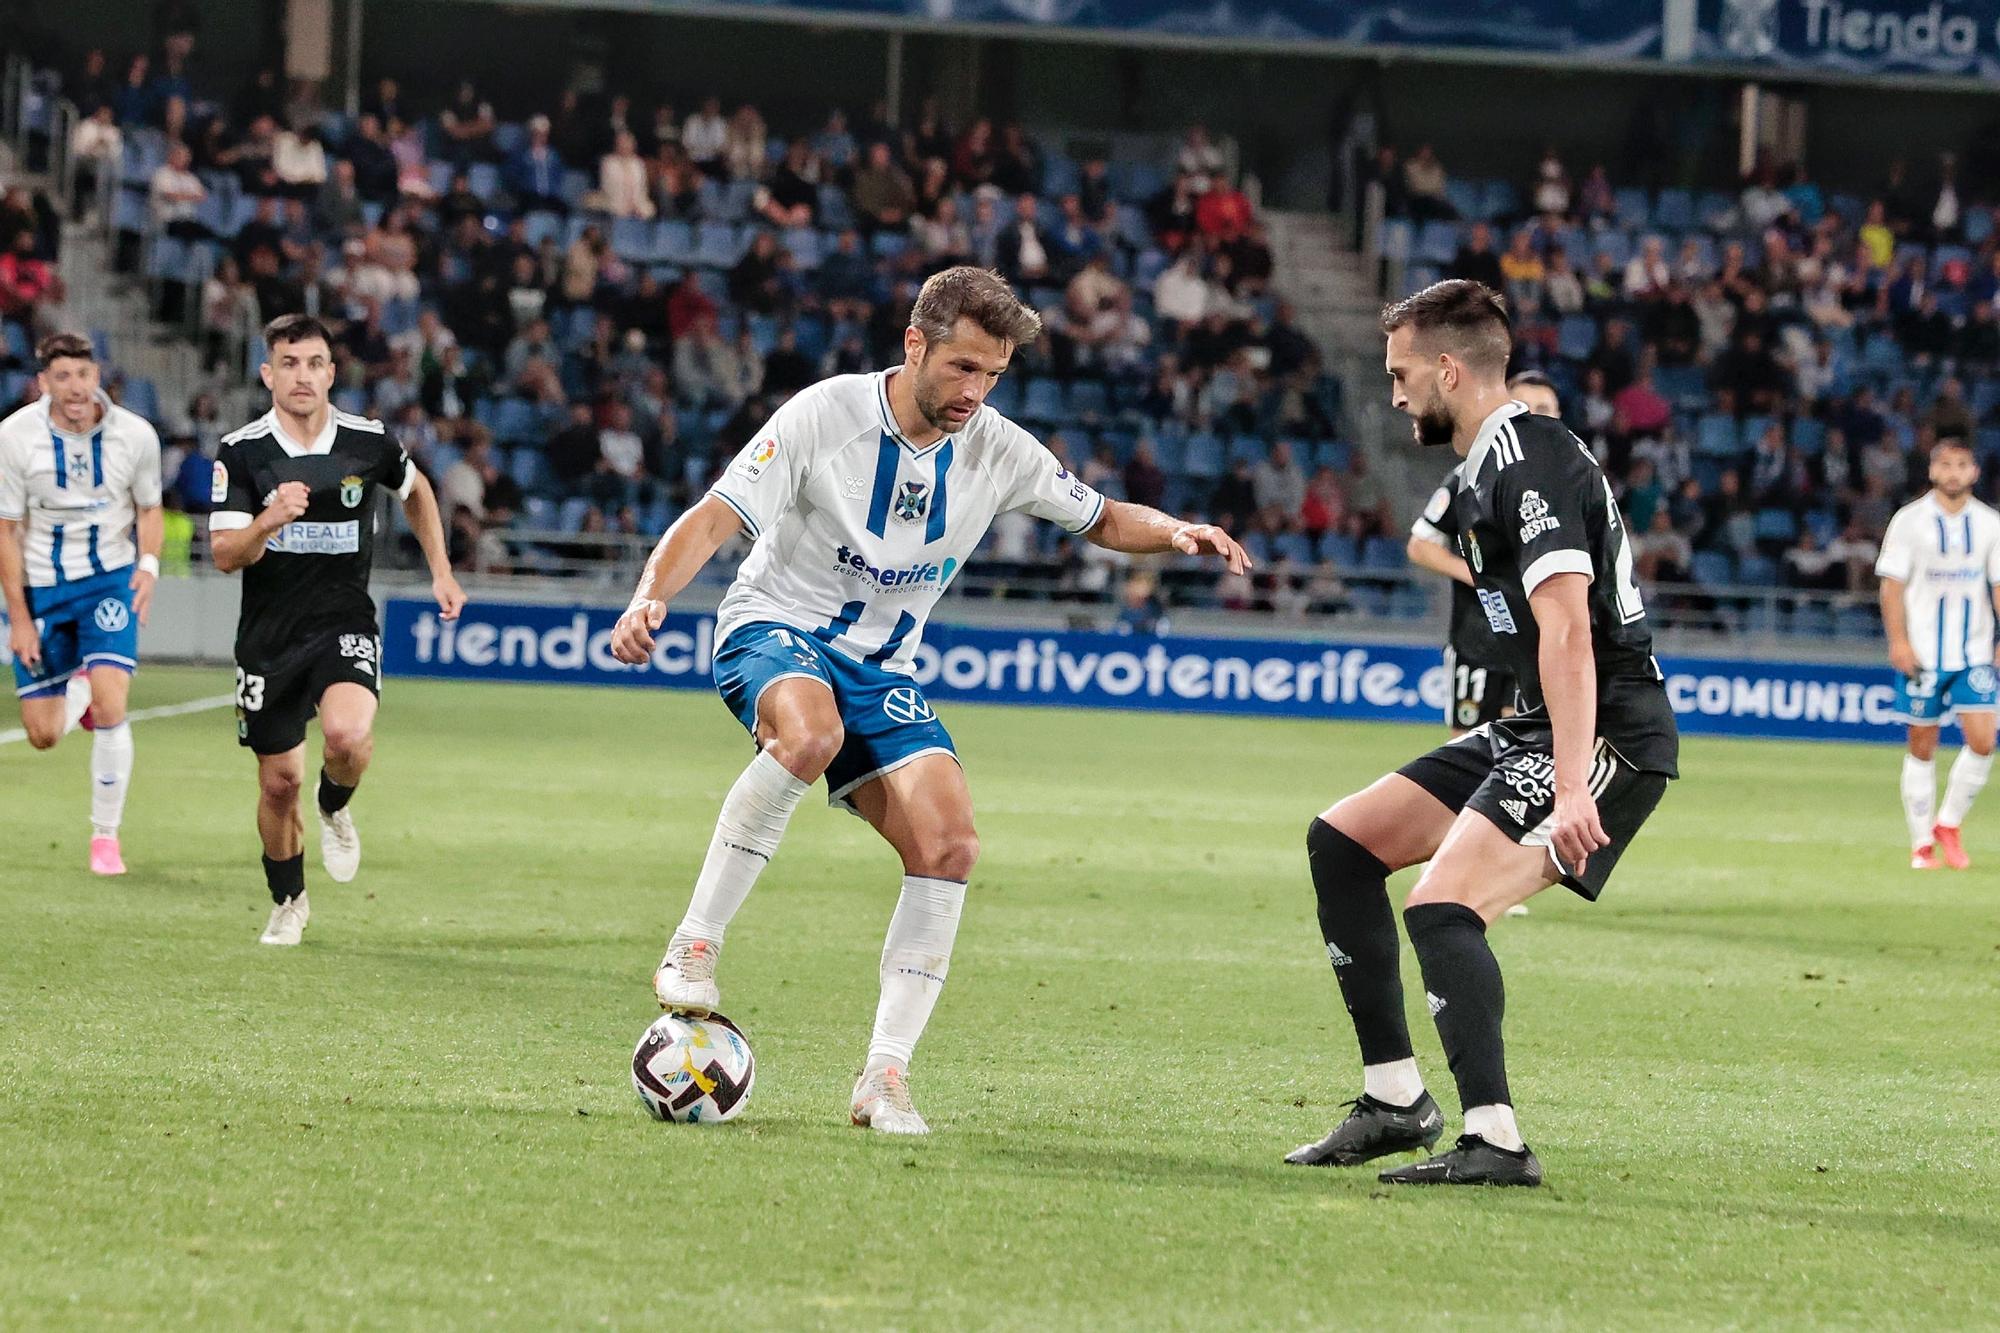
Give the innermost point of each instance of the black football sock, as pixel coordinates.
(1359, 928)
(286, 879)
(1466, 998)
(333, 797)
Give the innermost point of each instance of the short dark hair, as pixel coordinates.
(296, 329)
(1469, 317)
(1953, 440)
(59, 346)
(1531, 379)
(977, 294)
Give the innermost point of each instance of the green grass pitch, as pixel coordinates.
(1761, 1074)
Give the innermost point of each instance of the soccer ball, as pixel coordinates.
(693, 1070)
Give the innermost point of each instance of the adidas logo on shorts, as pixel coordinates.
(1435, 1003)
(1516, 811)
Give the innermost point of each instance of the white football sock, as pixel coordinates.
(1961, 786)
(1495, 1124)
(76, 701)
(1919, 797)
(753, 819)
(915, 958)
(1396, 1082)
(110, 776)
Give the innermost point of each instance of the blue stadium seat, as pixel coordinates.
(1501, 199)
(1857, 622)
(353, 401)
(1369, 599)
(1398, 241)
(1674, 210)
(889, 244)
(1203, 456)
(1683, 386)
(1809, 434)
(1576, 337)
(1258, 546)
(1776, 525)
(1437, 243)
(1341, 551)
(142, 396)
(167, 260)
(803, 242)
(1383, 553)
(570, 517)
(129, 212)
(1247, 449)
(1755, 570)
(1089, 398)
(1632, 208)
(1712, 208)
(515, 422)
(1416, 277)
(1336, 454)
(1410, 601)
(1978, 225)
(483, 178)
(543, 225)
(529, 469)
(1295, 547)
(1716, 436)
(1468, 197)
(1617, 244)
(1044, 402)
(1714, 569)
(632, 240)
(1004, 397)
(715, 245)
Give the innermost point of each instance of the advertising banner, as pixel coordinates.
(1942, 37)
(1256, 677)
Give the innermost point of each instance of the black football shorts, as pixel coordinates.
(273, 705)
(1507, 772)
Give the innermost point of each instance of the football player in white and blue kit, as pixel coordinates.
(80, 530)
(865, 494)
(1939, 567)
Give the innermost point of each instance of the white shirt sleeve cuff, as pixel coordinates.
(1426, 531)
(227, 520)
(409, 480)
(1896, 569)
(1552, 564)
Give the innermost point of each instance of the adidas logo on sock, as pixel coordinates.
(1335, 956)
(1435, 1003)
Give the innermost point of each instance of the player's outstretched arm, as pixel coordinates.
(1138, 530)
(1561, 603)
(682, 550)
(420, 507)
(1897, 629)
(23, 639)
(1439, 560)
(231, 549)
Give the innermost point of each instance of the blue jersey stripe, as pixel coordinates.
(1939, 659)
(62, 463)
(1944, 541)
(934, 530)
(886, 457)
(90, 550)
(97, 461)
(55, 545)
(841, 623)
(905, 622)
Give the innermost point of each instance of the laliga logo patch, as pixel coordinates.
(753, 466)
(350, 491)
(218, 485)
(906, 705)
(1535, 516)
(111, 615)
(913, 502)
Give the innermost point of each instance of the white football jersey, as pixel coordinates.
(1947, 564)
(77, 496)
(858, 531)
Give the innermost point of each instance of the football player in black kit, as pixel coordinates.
(1552, 795)
(294, 498)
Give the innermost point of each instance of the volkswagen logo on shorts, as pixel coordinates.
(111, 615)
(906, 705)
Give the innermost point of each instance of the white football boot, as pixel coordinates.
(685, 983)
(882, 1103)
(288, 921)
(339, 846)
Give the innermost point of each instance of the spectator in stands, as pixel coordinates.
(1522, 273)
(399, 387)
(337, 208)
(1673, 328)
(1199, 159)
(786, 369)
(1551, 189)
(1093, 193)
(835, 145)
(1475, 259)
(942, 238)
(1325, 507)
(528, 353)
(845, 280)
(1949, 415)
(1648, 274)
(1145, 480)
(135, 102)
(298, 159)
(746, 147)
(1223, 214)
(1424, 187)
(27, 282)
(1367, 503)
(1561, 284)
(757, 282)
(1181, 293)
(707, 371)
(1017, 164)
(791, 198)
(533, 173)
(573, 451)
(622, 182)
(468, 124)
(1596, 206)
(1661, 553)
(229, 311)
(883, 193)
(175, 195)
(1280, 489)
(1022, 249)
(1097, 318)
(452, 386)
(1750, 374)
(687, 305)
(98, 147)
(705, 138)
(376, 176)
(974, 157)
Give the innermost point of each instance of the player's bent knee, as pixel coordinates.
(807, 753)
(279, 787)
(953, 856)
(343, 742)
(43, 738)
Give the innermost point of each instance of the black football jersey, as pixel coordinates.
(314, 574)
(1471, 638)
(1533, 503)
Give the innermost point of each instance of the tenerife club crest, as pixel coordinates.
(350, 491)
(913, 502)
